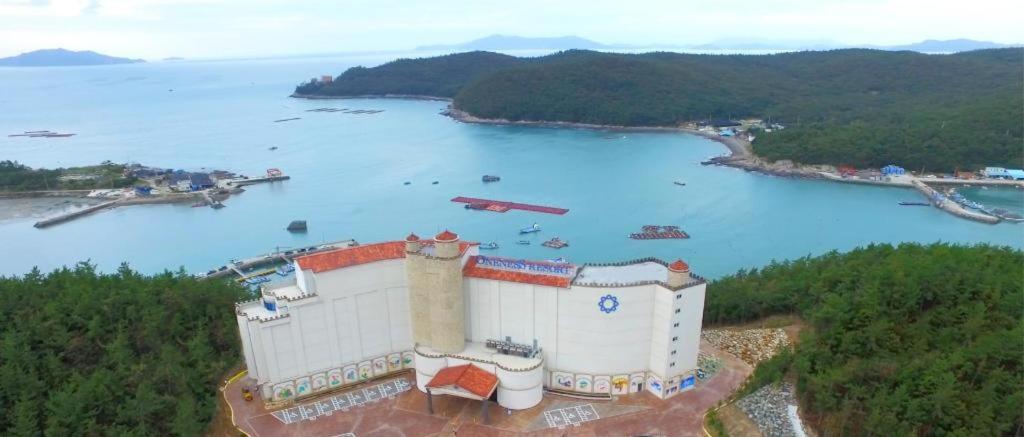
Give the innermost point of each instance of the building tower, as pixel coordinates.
(678, 274)
(435, 292)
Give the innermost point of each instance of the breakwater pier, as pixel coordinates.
(253, 181)
(75, 214)
(944, 203)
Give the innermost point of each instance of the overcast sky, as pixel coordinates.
(154, 29)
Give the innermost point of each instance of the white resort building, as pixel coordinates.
(357, 313)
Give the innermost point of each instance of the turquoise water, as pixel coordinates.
(348, 173)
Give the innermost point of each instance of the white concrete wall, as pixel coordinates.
(360, 313)
(662, 333)
(575, 334)
(248, 346)
(690, 319)
(496, 309)
(595, 342)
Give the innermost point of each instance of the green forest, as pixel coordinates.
(120, 354)
(900, 340)
(907, 340)
(17, 177)
(866, 108)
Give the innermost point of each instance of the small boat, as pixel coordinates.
(530, 230)
(256, 280)
(558, 260)
(434, 183)
(285, 269)
(217, 205)
(555, 243)
(906, 203)
(406, 183)
(272, 148)
(489, 246)
(489, 178)
(523, 242)
(681, 184)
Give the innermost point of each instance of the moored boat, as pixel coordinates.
(285, 269)
(489, 246)
(530, 229)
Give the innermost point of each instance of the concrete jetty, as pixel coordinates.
(942, 202)
(75, 214)
(251, 181)
(169, 198)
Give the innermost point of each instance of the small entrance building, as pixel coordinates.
(465, 381)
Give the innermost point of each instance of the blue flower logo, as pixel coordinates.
(608, 304)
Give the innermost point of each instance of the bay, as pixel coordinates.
(348, 173)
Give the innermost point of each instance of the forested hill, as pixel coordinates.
(441, 76)
(911, 340)
(89, 354)
(858, 107)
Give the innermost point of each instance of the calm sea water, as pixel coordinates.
(348, 173)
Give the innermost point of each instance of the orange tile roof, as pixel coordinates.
(467, 377)
(446, 236)
(412, 237)
(352, 256)
(472, 270)
(679, 266)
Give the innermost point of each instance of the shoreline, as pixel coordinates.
(736, 147)
(370, 96)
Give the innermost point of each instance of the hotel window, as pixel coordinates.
(672, 364)
(673, 352)
(677, 310)
(675, 338)
(675, 325)
(679, 296)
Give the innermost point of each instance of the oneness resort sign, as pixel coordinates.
(545, 268)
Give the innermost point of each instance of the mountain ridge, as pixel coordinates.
(63, 58)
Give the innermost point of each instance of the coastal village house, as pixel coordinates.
(436, 306)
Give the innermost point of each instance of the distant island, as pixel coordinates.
(927, 46)
(571, 42)
(173, 58)
(63, 58)
(506, 42)
(865, 108)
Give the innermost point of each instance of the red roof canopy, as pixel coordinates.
(412, 237)
(467, 377)
(368, 253)
(446, 236)
(679, 266)
(352, 256)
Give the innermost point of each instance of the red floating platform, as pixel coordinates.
(501, 206)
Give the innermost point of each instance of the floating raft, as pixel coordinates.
(655, 232)
(502, 206)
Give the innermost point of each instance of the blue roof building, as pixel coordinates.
(200, 181)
